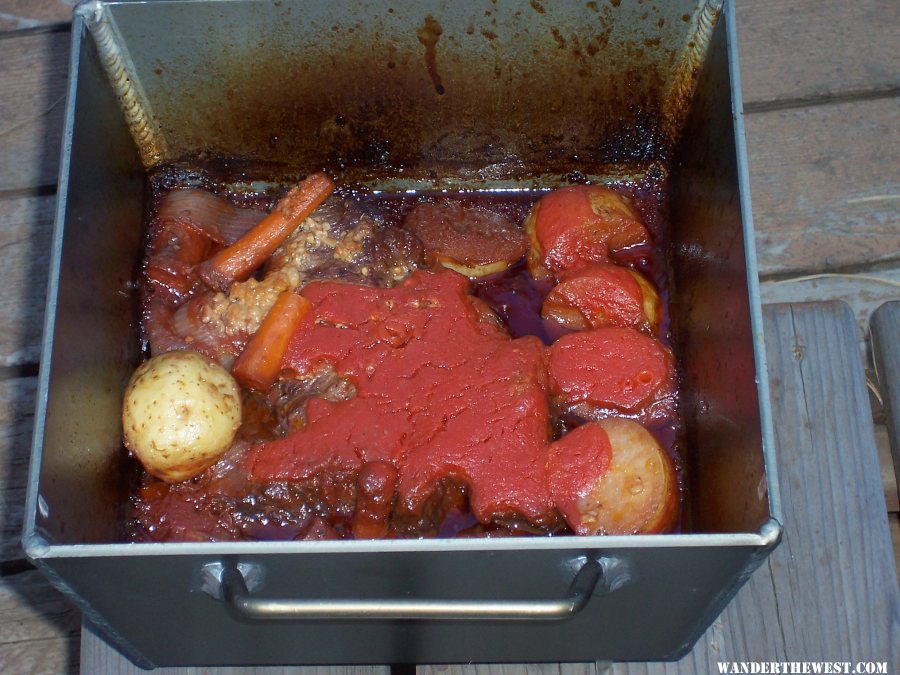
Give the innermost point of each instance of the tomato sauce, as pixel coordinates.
(442, 393)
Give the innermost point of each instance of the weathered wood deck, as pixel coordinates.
(821, 88)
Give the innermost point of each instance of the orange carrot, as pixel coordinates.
(258, 365)
(236, 262)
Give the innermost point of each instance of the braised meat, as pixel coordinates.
(338, 240)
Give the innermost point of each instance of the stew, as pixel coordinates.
(473, 364)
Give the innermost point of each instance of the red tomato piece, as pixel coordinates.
(604, 295)
(611, 371)
(580, 224)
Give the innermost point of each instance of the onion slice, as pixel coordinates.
(204, 212)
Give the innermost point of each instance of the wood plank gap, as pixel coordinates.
(19, 370)
(828, 98)
(870, 269)
(22, 193)
(9, 568)
(59, 27)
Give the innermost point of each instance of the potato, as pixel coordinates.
(471, 240)
(604, 295)
(472, 271)
(180, 414)
(612, 477)
(578, 225)
(612, 370)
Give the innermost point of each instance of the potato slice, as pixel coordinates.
(639, 492)
(574, 226)
(612, 371)
(471, 240)
(612, 477)
(180, 414)
(604, 295)
(472, 271)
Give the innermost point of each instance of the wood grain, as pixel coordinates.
(39, 628)
(825, 186)
(516, 669)
(861, 291)
(817, 48)
(831, 587)
(33, 70)
(19, 14)
(24, 267)
(17, 400)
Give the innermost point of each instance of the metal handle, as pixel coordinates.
(233, 589)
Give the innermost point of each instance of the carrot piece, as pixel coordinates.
(258, 364)
(236, 262)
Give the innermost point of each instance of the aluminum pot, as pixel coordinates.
(399, 95)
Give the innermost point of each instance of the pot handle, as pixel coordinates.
(233, 581)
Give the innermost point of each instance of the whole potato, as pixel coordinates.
(180, 414)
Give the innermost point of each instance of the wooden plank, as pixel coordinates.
(19, 14)
(50, 656)
(32, 100)
(39, 628)
(864, 292)
(17, 400)
(819, 596)
(24, 260)
(816, 48)
(98, 658)
(825, 186)
(886, 353)
(516, 669)
(829, 592)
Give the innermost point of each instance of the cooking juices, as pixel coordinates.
(412, 401)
